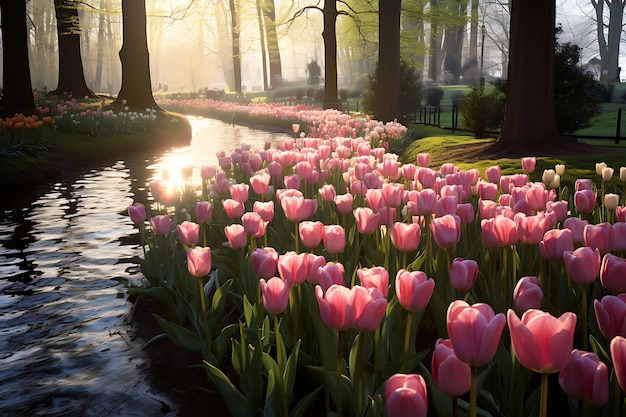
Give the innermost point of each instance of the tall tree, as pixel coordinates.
(609, 44)
(329, 35)
(17, 93)
(456, 13)
(269, 20)
(388, 88)
(71, 73)
(235, 32)
(136, 89)
(530, 121)
(262, 38)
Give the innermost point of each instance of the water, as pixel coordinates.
(65, 342)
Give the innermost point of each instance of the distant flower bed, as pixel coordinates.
(387, 288)
(312, 121)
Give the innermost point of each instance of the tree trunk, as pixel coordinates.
(136, 89)
(616, 17)
(330, 55)
(71, 72)
(224, 43)
(388, 92)
(473, 41)
(530, 122)
(262, 37)
(276, 73)
(100, 49)
(435, 45)
(235, 34)
(16, 83)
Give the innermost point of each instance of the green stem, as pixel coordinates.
(455, 406)
(376, 342)
(296, 237)
(358, 372)
(339, 372)
(205, 326)
(472, 410)
(616, 396)
(584, 324)
(279, 350)
(407, 339)
(543, 408)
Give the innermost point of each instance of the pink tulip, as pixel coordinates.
(137, 213)
(451, 375)
(203, 211)
(540, 340)
(537, 197)
(334, 237)
(584, 200)
(528, 164)
(423, 159)
(447, 205)
(292, 181)
(620, 214)
(327, 192)
(426, 202)
(370, 305)
(487, 190)
(233, 208)
(446, 230)
(583, 184)
(612, 273)
(405, 237)
(311, 233)
(374, 198)
(582, 265)
(199, 261)
(465, 212)
(611, 315)
(554, 243)
(392, 194)
(366, 219)
(413, 289)
(330, 274)
(304, 169)
(310, 266)
(253, 224)
(493, 174)
(598, 236)
(274, 294)
(530, 229)
(463, 273)
(188, 233)
(527, 294)
(474, 331)
(618, 356)
(499, 231)
(265, 262)
(236, 236)
(293, 206)
(406, 395)
(207, 172)
(586, 378)
(618, 236)
(558, 208)
(291, 268)
(260, 183)
(161, 224)
(344, 202)
(577, 227)
(264, 209)
(427, 177)
(374, 277)
(336, 306)
(239, 192)
(487, 209)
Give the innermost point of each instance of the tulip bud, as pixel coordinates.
(599, 167)
(622, 174)
(548, 176)
(607, 174)
(611, 201)
(559, 169)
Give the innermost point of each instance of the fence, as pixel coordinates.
(447, 117)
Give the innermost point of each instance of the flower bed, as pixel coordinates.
(390, 288)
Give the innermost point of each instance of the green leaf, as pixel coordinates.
(237, 404)
(289, 374)
(303, 405)
(219, 300)
(181, 336)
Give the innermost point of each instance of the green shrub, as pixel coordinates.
(433, 96)
(410, 90)
(481, 110)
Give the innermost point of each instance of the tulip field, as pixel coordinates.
(390, 288)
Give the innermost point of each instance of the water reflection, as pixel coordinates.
(65, 346)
